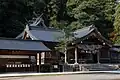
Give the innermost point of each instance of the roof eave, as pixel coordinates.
(98, 34)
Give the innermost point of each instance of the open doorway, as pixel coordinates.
(94, 56)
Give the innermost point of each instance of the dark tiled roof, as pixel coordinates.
(36, 27)
(54, 35)
(12, 44)
(46, 35)
(41, 28)
(83, 32)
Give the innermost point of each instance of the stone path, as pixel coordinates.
(69, 77)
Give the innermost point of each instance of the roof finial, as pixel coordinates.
(92, 27)
(38, 20)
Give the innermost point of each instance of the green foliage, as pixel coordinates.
(14, 13)
(117, 24)
(82, 13)
(87, 12)
(76, 13)
(55, 11)
(66, 38)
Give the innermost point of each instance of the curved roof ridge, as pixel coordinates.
(85, 28)
(83, 31)
(49, 29)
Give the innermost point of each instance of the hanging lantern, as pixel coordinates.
(81, 42)
(103, 43)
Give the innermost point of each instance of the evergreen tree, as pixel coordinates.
(15, 13)
(86, 12)
(77, 13)
(117, 25)
(65, 39)
(55, 12)
(82, 13)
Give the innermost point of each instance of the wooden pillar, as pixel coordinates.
(38, 62)
(98, 57)
(76, 55)
(65, 56)
(117, 57)
(109, 55)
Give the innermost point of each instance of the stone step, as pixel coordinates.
(99, 68)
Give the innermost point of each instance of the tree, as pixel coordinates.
(82, 13)
(15, 13)
(55, 11)
(117, 24)
(65, 39)
(9, 12)
(77, 14)
(86, 12)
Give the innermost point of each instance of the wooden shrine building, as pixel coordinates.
(20, 55)
(34, 49)
(49, 37)
(89, 47)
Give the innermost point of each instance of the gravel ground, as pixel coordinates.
(69, 77)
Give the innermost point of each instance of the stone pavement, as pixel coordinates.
(68, 77)
(57, 73)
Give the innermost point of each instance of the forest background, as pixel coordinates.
(104, 14)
